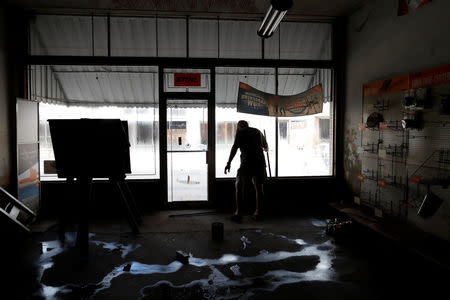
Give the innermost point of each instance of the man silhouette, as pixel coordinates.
(252, 143)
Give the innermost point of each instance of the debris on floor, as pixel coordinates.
(127, 268)
(236, 271)
(182, 257)
(337, 227)
(245, 241)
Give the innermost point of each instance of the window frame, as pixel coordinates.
(212, 63)
(275, 165)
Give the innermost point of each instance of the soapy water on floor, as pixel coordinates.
(216, 286)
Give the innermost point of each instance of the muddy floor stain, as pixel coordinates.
(216, 286)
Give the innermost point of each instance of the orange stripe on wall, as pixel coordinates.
(430, 77)
(387, 86)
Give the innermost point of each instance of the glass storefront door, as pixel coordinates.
(187, 146)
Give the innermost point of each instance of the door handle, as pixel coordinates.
(207, 157)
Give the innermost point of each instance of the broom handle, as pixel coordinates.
(267, 154)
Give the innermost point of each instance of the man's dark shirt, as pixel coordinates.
(251, 143)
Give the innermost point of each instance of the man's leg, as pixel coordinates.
(258, 180)
(259, 194)
(239, 189)
(238, 185)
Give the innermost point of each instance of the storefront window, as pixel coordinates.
(142, 130)
(305, 144)
(227, 83)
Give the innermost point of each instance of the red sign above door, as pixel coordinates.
(187, 79)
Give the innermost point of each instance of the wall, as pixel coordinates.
(282, 197)
(58, 199)
(381, 45)
(4, 121)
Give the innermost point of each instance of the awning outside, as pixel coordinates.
(133, 86)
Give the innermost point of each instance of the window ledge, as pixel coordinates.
(127, 178)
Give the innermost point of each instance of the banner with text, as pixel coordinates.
(415, 80)
(256, 102)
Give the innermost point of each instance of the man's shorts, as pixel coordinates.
(258, 175)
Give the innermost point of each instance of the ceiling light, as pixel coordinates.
(274, 15)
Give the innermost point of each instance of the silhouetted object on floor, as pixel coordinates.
(127, 268)
(182, 257)
(93, 148)
(14, 212)
(336, 227)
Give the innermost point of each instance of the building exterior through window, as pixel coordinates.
(300, 146)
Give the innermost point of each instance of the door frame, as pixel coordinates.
(211, 152)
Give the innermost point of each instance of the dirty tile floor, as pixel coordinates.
(276, 258)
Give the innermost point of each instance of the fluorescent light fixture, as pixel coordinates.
(273, 17)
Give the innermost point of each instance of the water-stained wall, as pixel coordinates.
(382, 45)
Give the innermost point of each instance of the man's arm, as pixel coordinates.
(230, 159)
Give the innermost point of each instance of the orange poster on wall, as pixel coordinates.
(387, 86)
(415, 80)
(431, 77)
